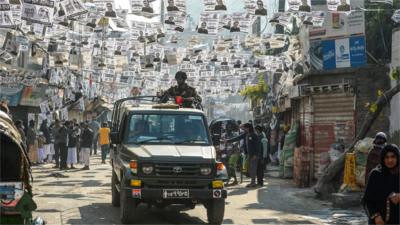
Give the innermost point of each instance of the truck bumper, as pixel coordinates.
(194, 194)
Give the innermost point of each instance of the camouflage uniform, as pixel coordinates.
(184, 91)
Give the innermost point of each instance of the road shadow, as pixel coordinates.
(106, 214)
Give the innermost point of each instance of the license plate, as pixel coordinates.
(175, 193)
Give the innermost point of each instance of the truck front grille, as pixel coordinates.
(172, 169)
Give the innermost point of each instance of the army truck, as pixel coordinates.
(162, 155)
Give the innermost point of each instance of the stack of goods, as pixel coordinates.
(287, 153)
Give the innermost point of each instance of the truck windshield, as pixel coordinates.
(167, 129)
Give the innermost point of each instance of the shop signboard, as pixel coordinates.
(33, 96)
(338, 53)
(11, 92)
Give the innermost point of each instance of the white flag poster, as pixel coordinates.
(64, 114)
(41, 12)
(44, 107)
(81, 104)
(31, 116)
(72, 8)
(6, 18)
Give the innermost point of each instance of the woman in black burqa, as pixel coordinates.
(381, 198)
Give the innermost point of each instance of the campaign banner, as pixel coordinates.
(6, 18)
(338, 53)
(12, 93)
(72, 8)
(41, 12)
(357, 51)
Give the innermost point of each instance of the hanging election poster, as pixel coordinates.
(175, 21)
(339, 24)
(175, 5)
(15, 6)
(72, 8)
(41, 12)
(242, 22)
(214, 5)
(255, 7)
(6, 17)
(389, 2)
(396, 16)
(146, 8)
(314, 18)
(338, 5)
(298, 5)
(101, 5)
(208, 23)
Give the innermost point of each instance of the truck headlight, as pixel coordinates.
(205, 171)
(147, 169)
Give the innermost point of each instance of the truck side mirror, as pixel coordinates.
(115, 138)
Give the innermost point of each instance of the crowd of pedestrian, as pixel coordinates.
(252, 148)
(64, 143)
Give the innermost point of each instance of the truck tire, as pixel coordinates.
(128, 208)
(115, 198)
(215, 211)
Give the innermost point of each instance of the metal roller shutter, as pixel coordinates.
(333, 121)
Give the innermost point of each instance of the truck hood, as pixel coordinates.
(172, 151)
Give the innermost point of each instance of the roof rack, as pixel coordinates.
(117, 106)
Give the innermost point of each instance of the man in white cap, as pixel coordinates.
(374, 154)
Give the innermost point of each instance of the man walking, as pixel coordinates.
(55, 130)
(46, 134)
(104, 139)
(86, 144)
(262, 155)
(252, 149)
(62, 144)
(31, 142)
(95, 127)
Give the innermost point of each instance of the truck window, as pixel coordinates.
(167, 129)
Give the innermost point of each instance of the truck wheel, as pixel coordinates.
(115, 198)
(215, 211)
(128, 208)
